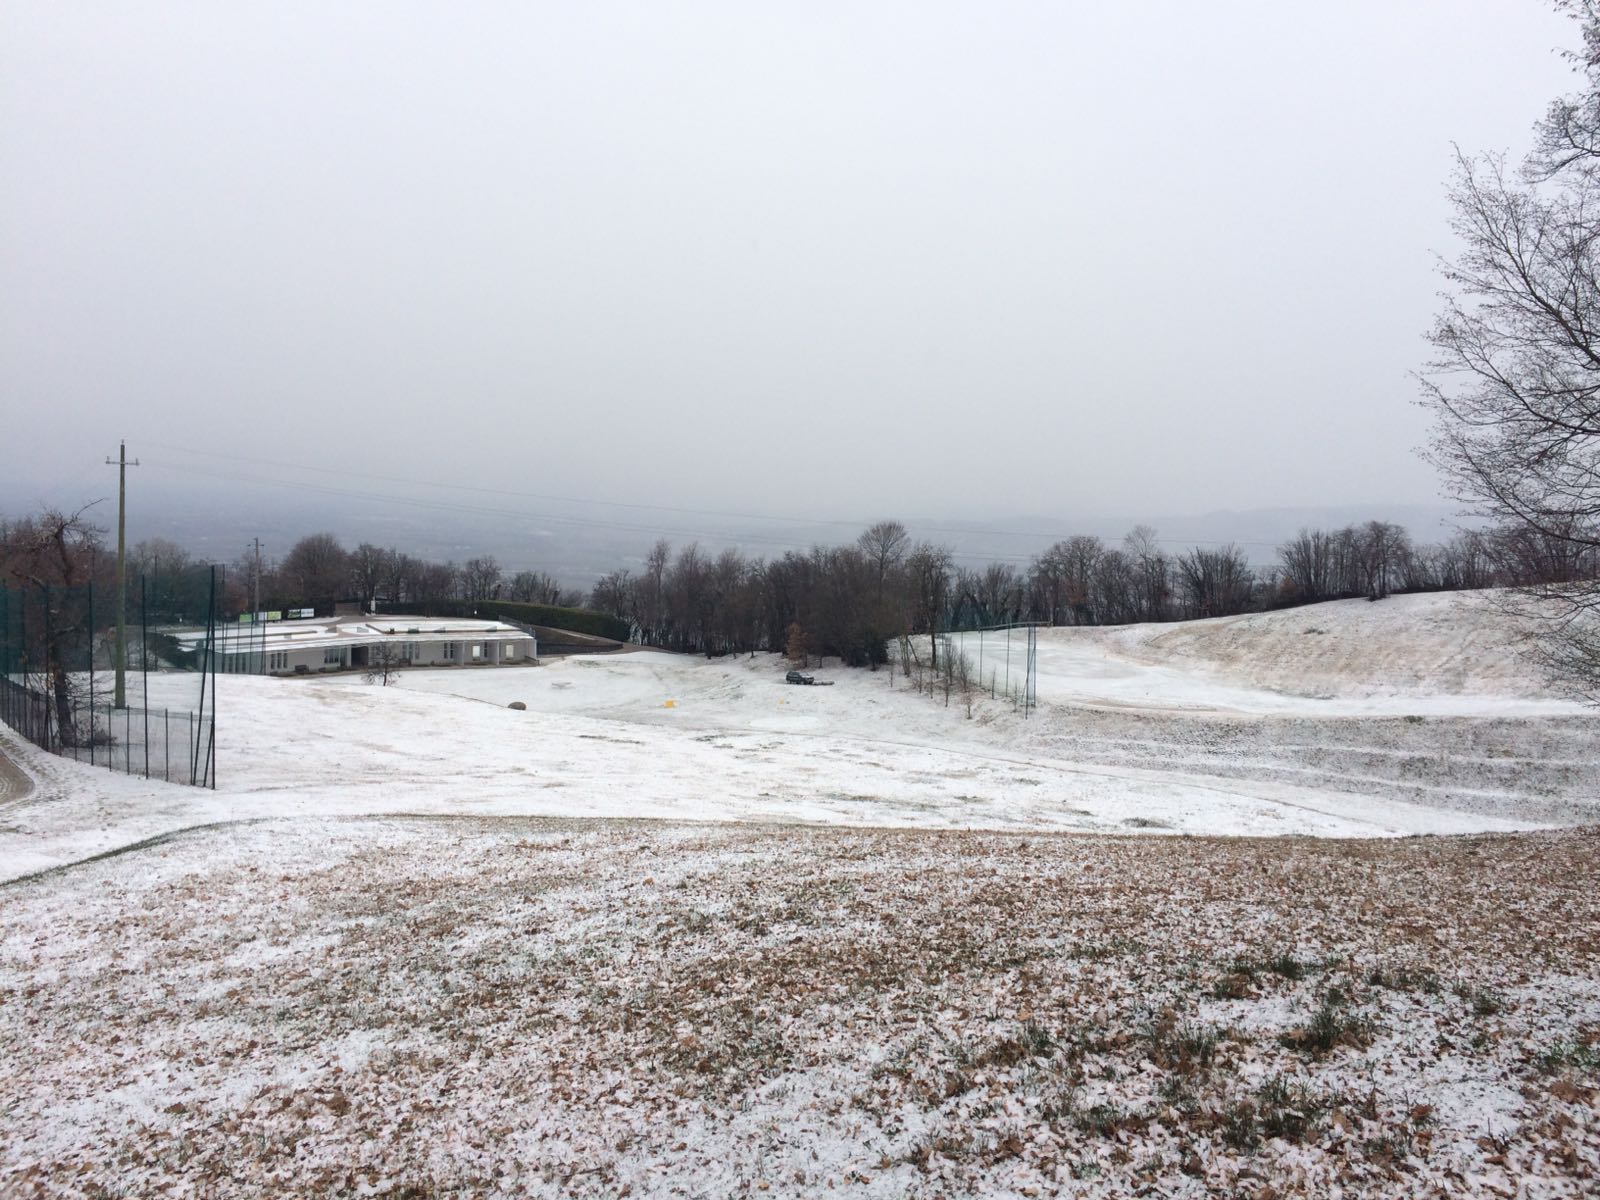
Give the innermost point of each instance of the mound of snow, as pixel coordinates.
(1452, 643)
(1432, 655)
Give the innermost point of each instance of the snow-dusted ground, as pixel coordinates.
(390, 955)
(415, 1007)
(1315, 721)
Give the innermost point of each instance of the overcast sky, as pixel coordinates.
(968, 259)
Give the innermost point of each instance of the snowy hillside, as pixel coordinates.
(1191, 728)
(1447, 655)
(394, 954)
(1424, 647)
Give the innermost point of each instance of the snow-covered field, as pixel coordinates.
(1330, 727)
(396, 953)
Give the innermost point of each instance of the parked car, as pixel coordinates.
(796, 677)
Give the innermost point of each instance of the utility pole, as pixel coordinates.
(258, 632)
(121, 664)
(255, 594)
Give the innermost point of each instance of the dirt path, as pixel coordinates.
(14, 784)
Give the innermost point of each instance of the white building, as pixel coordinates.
(357, 643)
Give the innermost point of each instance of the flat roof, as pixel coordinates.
(272, 636)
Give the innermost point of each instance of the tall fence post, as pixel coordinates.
(91, 686)
(144, 670)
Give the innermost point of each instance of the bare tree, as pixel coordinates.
(1215, 583)
(652, 593)
(157, 556)
(1381, 550)
(369, 568)
(1464, 562)
(1047, 584)
(615, 594)
(480, 579)
(535, 587)
(1114, 589)
(384, 661)
(1540, 562)
(796, 649)
(1152, 573)
(929, 569)
(1515, 383)
(885, 545)
(999, 593)
(1308, 562)
(167, 570)
(1079, 557)
(317, 570)
(401, 576)
(435, 582)
(57, 553)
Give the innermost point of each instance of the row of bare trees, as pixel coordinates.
(318, 572)
(1378, 558)
(67, 550)
(850, 601)
(841, 601)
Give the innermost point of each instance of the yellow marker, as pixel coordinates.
(670, 704)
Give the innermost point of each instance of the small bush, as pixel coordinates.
(1288, 1109)
(1239, 1127)
(1031, 1041)
(1574, 1055)
(1187, 1048)
(1331, 1025)
(1389, 1147)
(1404, 979)
(1288, 966)
(1102, 1120)
(1236, 986)
(1175, 1090)
(1243, 971)
(1484, 1002)
(1100, 951)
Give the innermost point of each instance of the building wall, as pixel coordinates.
(294, 660)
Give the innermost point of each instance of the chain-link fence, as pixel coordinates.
(1002, 660)
(128, 685)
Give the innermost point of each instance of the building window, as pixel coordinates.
(477, 650)
(510, 652)
(333, 656)
(450, 651)
(278, 660)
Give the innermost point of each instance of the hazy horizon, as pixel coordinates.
(815, 264)
(578, 543)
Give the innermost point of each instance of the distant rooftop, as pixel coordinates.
(337, 631)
